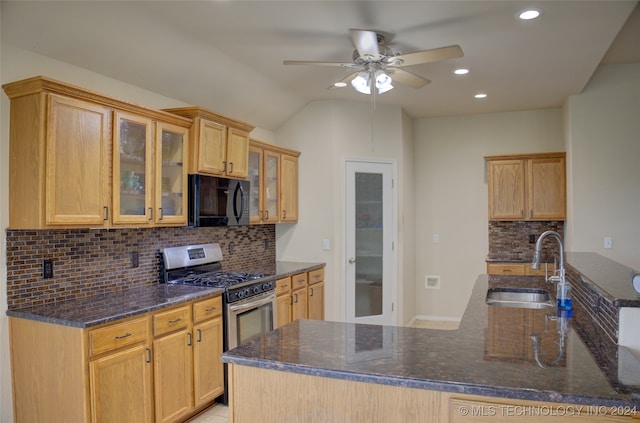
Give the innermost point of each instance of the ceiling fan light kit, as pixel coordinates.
(374, 61)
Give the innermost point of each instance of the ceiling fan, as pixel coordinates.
(376, 63)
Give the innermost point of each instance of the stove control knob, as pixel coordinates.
(265, 286)
(256, 289)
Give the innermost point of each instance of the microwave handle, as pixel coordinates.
(235, 203)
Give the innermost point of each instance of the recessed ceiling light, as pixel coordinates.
(529, 14)
(480, 95)
(340, 84)
(461, 71)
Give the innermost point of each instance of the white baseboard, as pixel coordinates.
(436, 318)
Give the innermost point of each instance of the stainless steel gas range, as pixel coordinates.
(249, 299)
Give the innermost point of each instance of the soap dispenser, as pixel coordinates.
(563, 296)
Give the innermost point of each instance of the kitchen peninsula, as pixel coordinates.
(353, 372)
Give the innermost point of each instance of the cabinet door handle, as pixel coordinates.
(190, 337)
(126, 335)
(296, 300)
(267, 213)
(199, 335)
(230, 167)
(106, 212)
(150, 213)
(174, 321)
(224, 166)
(148, 355)
(284, 214)
(160, 214)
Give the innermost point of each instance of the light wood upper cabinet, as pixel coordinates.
(149, 172)
(546, 193)
(527, 187)
(289, 188)
(82, 159)
(273, 174)
(219, 145)
(55, 180)
(170, 188)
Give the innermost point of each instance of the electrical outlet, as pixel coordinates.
(47, 269)
(532, 239)
(431, 282)
(133, 259)
(608, 242)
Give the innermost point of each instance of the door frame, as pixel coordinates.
(395, 286)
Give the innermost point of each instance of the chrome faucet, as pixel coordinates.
(535, 264)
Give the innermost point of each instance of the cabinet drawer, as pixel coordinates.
(316, 276)
(206, 309)
(298, 281)
(550, 270)
(172, 320)
(118, 335)
(505, 269)
(283, 286)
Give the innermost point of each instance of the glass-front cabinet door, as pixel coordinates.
(171, 174)
(255, 172)
(132, 169)
(271, 186)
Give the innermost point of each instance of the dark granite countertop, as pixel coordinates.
(289, 268)
(610, 278)
(96, 310)
(452, 361)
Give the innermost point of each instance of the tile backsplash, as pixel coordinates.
(509, 241)
(88, 262)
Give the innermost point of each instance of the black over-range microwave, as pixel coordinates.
(217, 201)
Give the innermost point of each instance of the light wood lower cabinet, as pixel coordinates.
(162, 366)
(300, 296)
(339, 400)
(283, 298)
(173, 364)
(299, 299)
(316, 295)
(122, 386)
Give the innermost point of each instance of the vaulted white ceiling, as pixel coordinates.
(227, 55)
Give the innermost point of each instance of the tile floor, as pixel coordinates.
(220, 413)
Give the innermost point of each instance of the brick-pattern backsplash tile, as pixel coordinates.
(509, 241)
(88, 262)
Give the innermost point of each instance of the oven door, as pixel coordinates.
(250, 318)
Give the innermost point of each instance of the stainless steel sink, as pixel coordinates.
(519, 298)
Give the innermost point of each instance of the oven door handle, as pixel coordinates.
(235, 307)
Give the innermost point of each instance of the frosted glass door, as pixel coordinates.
(369, 243)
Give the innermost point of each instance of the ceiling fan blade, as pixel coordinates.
(407, 78)
(426, 56)
(312, 63)
(345, 80)
(366, 43)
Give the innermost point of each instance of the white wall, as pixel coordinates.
(452, 199)
(603, 139)
(328, 132)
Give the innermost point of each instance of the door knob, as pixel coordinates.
(352, 260)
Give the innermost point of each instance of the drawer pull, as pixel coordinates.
(210, 309)
(126, 335)
(174, 321)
